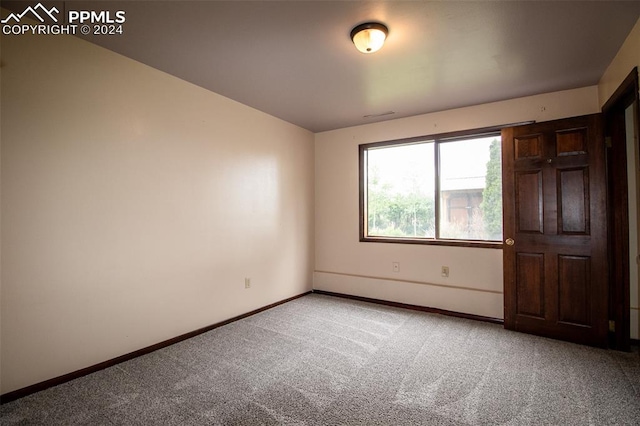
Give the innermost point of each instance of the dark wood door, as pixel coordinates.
(555, 229)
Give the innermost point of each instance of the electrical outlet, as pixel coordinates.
(247, 283)
(396, 266)
(445, 271)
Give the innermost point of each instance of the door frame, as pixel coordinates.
(618, 208)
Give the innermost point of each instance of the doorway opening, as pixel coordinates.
(622, 126)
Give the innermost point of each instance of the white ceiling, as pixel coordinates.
(295, 60)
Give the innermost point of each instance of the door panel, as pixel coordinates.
(529, 201)
(571, 142)
(530, 284)
(528, 147)
(574, 297)
(555, 213)
(573, 196)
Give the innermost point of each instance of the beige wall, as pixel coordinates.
(345, 265)
(134, 205)
(625, 60)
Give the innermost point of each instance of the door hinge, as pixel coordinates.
(607, 141)
(612, 326)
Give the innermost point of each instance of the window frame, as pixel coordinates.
(436, 139)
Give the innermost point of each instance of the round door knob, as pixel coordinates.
(549, 160)
(510, 241)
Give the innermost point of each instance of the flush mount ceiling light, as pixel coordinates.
(369, 37)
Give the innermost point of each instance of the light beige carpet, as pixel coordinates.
(321, 360)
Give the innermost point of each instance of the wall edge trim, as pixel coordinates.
(453, 287)
(413, 307)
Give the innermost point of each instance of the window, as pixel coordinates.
(444, 189)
